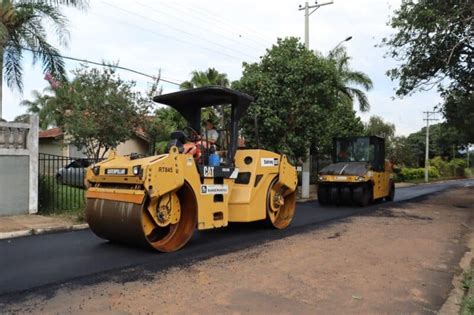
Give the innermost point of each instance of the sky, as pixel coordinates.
(180, 36)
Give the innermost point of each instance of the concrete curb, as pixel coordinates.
(15, 234)
(40, 231)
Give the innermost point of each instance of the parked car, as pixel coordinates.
(73, 174)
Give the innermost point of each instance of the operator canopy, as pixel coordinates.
(189, 102)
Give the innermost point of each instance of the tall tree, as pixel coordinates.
(23, 26)
(376, 126)
(434, 45)
(349, 79)
(297, 102)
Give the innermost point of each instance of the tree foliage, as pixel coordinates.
(444, 142)
(98, 110)
(350, 79)
(42, 106)
(24, 25)
(376, 126)
(297, 100)
(434, 43)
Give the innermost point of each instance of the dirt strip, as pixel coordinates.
(401, 259)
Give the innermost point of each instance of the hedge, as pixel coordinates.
(417, 173)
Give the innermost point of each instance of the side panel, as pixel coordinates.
(164, 175)
(212, 195)
(249, 197)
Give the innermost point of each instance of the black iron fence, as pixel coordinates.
(61, 182)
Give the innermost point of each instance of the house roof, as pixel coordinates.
(51, 133)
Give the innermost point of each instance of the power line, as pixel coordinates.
(232, 39)
(231, 27)
(177, 29)
(187, 43)
(215, 16)
(109, 66)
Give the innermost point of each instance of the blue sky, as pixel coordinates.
(180, 36)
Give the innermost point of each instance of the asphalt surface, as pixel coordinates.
(39, 264)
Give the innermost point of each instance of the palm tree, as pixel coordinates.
(42, 106)
(348, 78)
(206, 78)
(23, 27)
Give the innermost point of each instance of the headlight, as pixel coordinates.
(136, 170)
(96, 170)
(360, 178)
(321, 178)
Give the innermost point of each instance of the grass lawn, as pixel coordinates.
(467, 306)
(56, 199)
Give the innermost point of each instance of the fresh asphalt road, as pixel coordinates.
(38, 263)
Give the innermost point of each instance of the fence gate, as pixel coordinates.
(61, 182)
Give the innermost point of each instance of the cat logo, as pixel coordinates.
(208, 171)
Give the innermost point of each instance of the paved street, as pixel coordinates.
(37, 263)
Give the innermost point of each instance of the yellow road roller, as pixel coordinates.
(160, 200)
(359, 173)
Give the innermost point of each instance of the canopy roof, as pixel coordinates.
(189, 102)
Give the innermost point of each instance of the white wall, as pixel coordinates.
(19, 167)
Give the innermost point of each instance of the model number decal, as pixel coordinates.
(269, 162)
(208, 171)
(164, 169)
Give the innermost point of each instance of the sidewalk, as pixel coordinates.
(24, 225)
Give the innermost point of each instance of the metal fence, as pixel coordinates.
(61, 182)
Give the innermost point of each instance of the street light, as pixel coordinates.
(342, 41)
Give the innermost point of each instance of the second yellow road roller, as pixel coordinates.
(200, 183)
(360, 174)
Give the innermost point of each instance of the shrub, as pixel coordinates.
(442, 166)
(417, 173)
(468, 172)
(457, 167)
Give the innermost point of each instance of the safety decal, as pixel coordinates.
(269, 162)
(214, 189)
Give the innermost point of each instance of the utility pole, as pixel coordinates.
(427, 149)
(468, 160)
(306, 165)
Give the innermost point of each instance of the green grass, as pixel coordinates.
(60, 200)
(467, 306)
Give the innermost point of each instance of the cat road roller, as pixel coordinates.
(159, 201)
(359, 173)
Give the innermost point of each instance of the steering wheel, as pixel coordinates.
(191, 134)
